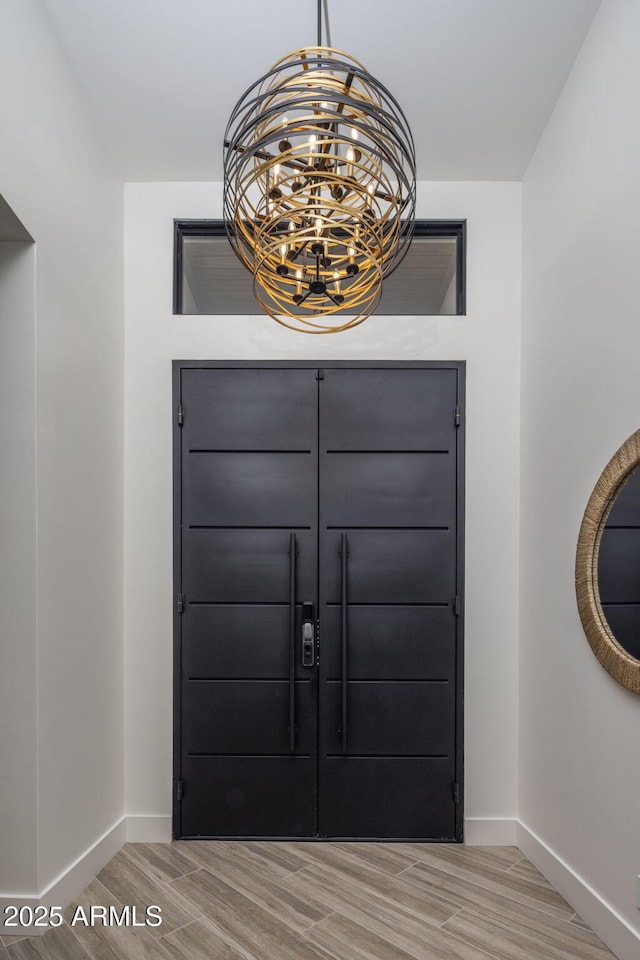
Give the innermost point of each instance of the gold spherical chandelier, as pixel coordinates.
(319, 188)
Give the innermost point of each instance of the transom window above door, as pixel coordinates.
(210, 280)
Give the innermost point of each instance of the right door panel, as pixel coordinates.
(388, 479)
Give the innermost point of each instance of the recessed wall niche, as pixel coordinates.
(18, 646)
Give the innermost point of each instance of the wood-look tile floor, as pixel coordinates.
(322, 901)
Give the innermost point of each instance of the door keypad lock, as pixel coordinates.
(308, 635)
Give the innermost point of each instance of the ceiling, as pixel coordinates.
(215, 282)
(477, 78)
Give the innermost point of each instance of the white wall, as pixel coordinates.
(56, 177)
(579, 742)
(488, 338)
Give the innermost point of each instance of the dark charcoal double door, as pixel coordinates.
(318, 681)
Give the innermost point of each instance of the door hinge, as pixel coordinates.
(456, 605)
(180, 602)
(456, 792)
(319, 374)
(179, 789)
(457, 415)
(180, 415)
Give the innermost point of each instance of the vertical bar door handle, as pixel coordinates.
(344, 552)
(292, 642)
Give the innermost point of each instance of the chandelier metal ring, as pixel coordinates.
(319, 189)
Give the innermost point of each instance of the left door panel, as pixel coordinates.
(249, 493)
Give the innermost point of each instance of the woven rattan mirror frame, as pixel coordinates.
(614, 658)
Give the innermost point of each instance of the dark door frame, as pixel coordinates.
(177, 413)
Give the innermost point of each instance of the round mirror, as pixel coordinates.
(608, 566)
(619, 566)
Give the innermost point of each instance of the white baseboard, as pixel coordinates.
(594, 909)
(490, 832)
(19, 900)
(78, 875)
(69, 884)
(600, 915)
(148, 829)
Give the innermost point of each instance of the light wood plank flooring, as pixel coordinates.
(322, 901)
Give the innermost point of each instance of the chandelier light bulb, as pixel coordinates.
(371, 189)
(350, 158)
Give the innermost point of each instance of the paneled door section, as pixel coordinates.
(318, 625)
